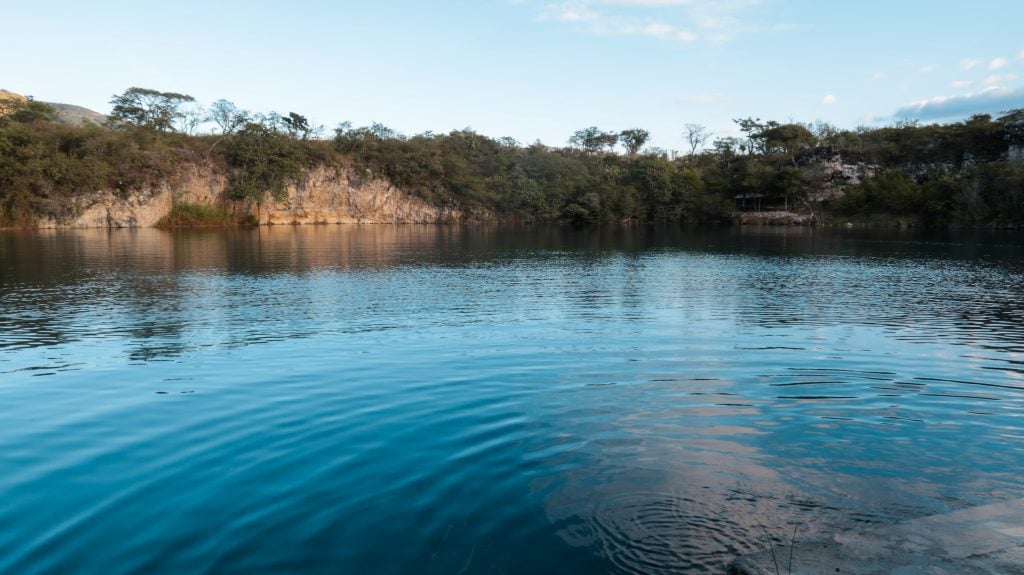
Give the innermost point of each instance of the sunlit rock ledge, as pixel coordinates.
(326, 195)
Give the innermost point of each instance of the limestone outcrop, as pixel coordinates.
(326, 195)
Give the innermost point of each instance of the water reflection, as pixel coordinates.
(473, 399)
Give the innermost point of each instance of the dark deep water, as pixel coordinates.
(424, 399)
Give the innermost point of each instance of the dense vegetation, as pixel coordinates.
(185, 215)
(968, 173)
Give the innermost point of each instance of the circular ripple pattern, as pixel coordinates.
(663, 535)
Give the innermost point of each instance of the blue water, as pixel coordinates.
(422, 399)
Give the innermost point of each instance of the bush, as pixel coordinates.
(186, 215)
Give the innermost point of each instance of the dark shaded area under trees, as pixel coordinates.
(963, 174)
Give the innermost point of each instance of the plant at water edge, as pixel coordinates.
(186, 215)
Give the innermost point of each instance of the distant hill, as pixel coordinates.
(66, 113)
(7, 98)
(7, 95)
(71, 114)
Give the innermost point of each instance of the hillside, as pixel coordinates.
(75, 115)
(964, 174)
(66, 113)
(7, 98)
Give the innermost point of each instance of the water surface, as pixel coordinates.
(425, 399)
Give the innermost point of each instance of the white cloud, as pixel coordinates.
(990, 100)
(1020, 55)
(569, 12)
(829, 100)
(997, 63)
(968, 63)
(674, 20)
(961, 84)
(661, 30)
(997, 79)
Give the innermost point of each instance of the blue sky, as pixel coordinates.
(532, 69)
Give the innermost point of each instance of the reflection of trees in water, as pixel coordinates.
(962, 301)
(62, 286)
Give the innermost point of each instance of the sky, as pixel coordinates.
(531, 69)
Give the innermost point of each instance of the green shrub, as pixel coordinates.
(186, 215)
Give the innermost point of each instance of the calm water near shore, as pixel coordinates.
(428, 399)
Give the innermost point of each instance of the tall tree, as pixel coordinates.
(190, 117)
(696, 135)
(593, 140)
(297, 126)
(754, 129)
(789, 141)
(228, 118)
(149, 108)
(634, 139)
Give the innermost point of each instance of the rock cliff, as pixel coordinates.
(326, 195)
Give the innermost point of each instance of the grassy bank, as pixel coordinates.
(186, 215)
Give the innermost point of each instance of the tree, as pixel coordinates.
(592, 140)
(27, 111)
(297, 126)
(753, 128)
(788, 140)
(634, 139)
(263, 161)
(190, 117)
(147, 108)
(696, 135)
(228, 117)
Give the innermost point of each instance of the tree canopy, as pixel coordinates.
(143, 107)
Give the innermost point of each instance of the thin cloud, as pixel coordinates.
(569, 12)
(706, 98)
(714, 21)
(969, 63)
(959, 84)
(829, 100)
(999, 80)
(1020, 55)
(646, 3)
(997, 63)
(926, 70)
(879, 76)
(990, 100)
(872, 118)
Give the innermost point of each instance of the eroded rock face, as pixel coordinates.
(837, 175)
(336, 196)
(326, 195)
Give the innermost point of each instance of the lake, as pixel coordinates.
(430, 399)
